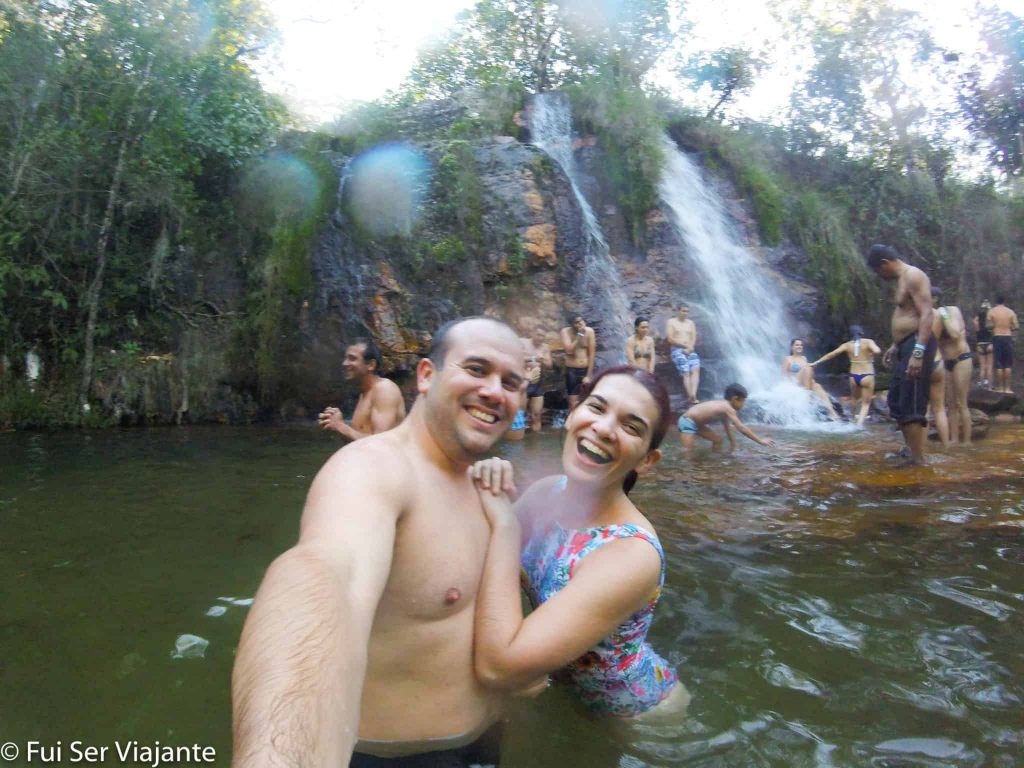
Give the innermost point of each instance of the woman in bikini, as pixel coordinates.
(861, 352)
(796, 368)
(640, 346)
(593, 564)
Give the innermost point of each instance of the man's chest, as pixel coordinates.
(361, 415)
(438, 557)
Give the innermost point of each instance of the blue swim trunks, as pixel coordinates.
(519, 422)
(687, 425)
(685, 362)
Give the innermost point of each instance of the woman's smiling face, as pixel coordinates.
(609, 433)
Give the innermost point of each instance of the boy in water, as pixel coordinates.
(697, 419)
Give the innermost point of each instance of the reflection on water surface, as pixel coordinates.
(823, 608)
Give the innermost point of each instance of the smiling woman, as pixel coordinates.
(594, 564)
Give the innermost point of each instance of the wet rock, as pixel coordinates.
(990, 402)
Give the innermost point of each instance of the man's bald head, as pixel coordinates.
(442, 340)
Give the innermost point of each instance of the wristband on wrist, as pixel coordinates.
(919, 345)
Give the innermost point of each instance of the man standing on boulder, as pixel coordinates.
(682, 337)
(380, 406)
(913, 348)
(1003, 322)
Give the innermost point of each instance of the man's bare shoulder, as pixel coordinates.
(372, 472)
(916, 278)
(386, 390)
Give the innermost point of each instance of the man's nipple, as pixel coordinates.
(451, 597)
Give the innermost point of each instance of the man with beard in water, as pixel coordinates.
(380, 406)
(360, 641)
(913, 348)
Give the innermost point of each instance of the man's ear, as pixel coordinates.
(424, 375)
(652, 458)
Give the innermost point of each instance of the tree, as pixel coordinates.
(994, 104)
(857, 89)
(729, 72)
(110, 115)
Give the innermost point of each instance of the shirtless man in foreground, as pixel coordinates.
(380, 406)
(580, 346)
(913, 348)
(682, 338)
(696, 420)
(361, 635)
(1003, 322)
(951, 333)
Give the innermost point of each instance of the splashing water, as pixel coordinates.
(750, 324)
(601, 285)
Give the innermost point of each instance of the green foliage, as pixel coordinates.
(22, 407)
(728, 72)
(290, 196)
(993, 101)
(630, 131)
(833, 261)
(859, 87)
(121, 125)
(458, 195)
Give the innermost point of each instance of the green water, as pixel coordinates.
(822, 608)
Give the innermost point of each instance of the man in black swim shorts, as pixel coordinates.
(913, 347)
(580, 345)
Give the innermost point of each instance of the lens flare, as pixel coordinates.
(386, 188)
(281, 186)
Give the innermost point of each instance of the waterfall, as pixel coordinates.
(738, 297)
(600, 288)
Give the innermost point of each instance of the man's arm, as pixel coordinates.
(569, 339)
(920, 293)
(333, 420)
(591, 351)
(674, 333)
(989, 322)
(1014, 324)
(387, 409)
(301, 661)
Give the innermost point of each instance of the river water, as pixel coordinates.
(823, 608)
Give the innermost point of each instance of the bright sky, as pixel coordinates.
(340, 51)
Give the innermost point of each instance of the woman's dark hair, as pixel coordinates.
(636, 323)
(856, 331)
(655, 388)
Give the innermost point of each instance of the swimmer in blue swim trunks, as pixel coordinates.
(862, 352)
(697, 419)
(682, 337)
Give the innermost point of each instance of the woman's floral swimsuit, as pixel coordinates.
(622, 675)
